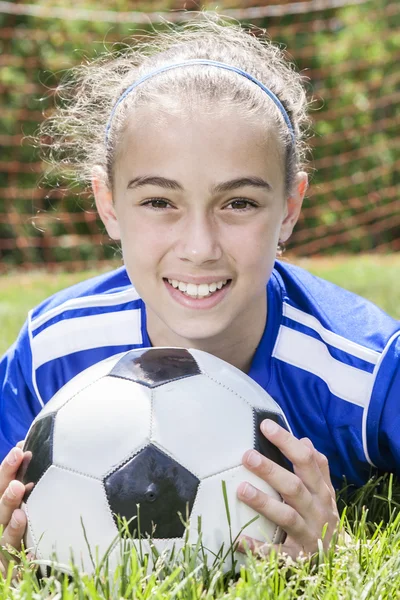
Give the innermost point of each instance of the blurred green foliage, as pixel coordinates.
(349, 57)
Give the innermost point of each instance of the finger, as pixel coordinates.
(20, 444)
(278, 512)
(22, 471)
(287, 484)
(29, 487)
(9, 467)
(14, 532)
(323, 465)
(307, 442)
(325, 471)
(10, 501)
(300, 454)
(246, 544)
(249, 544)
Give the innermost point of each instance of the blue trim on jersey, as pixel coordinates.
(340, 355)
(65, 368)
(260, 368)
(339, 310)
(18, 401)
(106, 284)
(331, 423)
(75, 313)
(385, 394)
(145, 336)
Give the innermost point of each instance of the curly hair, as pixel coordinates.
(74, 136)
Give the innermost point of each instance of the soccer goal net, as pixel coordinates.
(349, 51)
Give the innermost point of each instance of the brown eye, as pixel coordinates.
(156, 203)
(241, 204)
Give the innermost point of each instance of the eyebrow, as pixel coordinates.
(234, 184)
(172, 184)
(167, 184)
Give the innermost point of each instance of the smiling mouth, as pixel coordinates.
(197, 292)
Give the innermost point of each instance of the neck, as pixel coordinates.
(237, 347)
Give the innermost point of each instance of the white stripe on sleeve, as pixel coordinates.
(84, 333)
(303, 351)
(331, 338)
(128, 295)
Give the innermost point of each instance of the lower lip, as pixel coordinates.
(198, 303)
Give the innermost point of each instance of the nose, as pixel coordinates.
(199, 241)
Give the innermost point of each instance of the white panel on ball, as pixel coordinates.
(233, 379)
(57, 503)
(79, 382)
(85, 437)
(214, 519)
(206, 428)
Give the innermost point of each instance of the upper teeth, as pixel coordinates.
(204, 289)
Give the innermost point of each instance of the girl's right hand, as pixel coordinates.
(12, 518)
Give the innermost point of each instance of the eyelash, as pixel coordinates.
(249, 204)
(149, 203)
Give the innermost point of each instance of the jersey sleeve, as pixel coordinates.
(383, 417)
(18, 401)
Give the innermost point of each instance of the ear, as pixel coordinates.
(293, 206)
(104, 202)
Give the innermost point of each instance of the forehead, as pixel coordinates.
(203, 144)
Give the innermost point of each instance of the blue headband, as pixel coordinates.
(201, 61)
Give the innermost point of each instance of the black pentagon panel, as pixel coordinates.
(162, 488)
(40, 442)
(153, 367)
(264, 446)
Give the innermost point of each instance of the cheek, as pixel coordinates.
(135, 231)
(255, 245)
(143, 247)
(256, 252)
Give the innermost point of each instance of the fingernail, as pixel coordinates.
(269, 426)
(244, 543)
(249, 491)
(253, 459)
(11, 492)
(14, 523)
(12, 458)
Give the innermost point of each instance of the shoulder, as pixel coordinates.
(108, 289)
(82, 325)
(102, 311)
(333, 335)
(319, 304)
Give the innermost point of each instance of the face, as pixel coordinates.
(199, 206)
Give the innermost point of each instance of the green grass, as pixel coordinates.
(367, 566)
(374, 277)
(20, 292)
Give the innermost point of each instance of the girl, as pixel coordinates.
(194, 145)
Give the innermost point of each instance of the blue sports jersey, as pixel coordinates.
(328, 357)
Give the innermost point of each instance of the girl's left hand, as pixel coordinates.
(309, 498)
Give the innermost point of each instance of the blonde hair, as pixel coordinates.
(75, 133)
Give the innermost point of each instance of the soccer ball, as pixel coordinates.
(154, 428)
